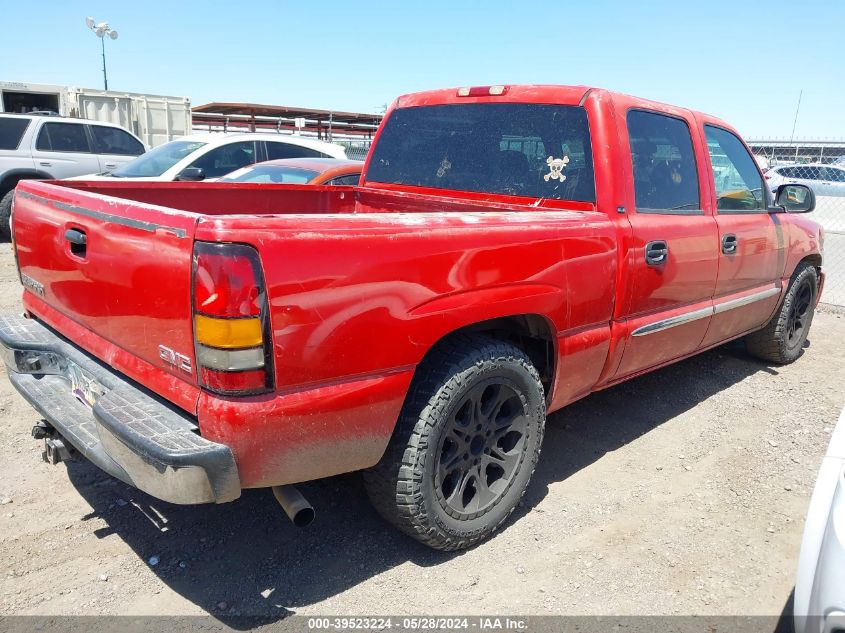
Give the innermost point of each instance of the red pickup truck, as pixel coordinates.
(510, 249)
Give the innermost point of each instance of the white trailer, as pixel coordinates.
(155, 119)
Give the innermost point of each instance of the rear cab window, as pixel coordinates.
(11, 131)
(664, 167)
(531, 150)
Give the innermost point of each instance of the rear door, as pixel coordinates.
(114, 146)
(751, 240)
(118, 268)
(675, 240)
(63, 149)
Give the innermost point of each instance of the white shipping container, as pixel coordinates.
(155, 119)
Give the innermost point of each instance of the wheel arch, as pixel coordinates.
(533, 333)
(12, 177)
(814, 259)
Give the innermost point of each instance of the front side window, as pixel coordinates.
(835, 175)
(533, 150)
(737, 180)
(222, 160)
(157, 161)
(62, 137)
(665, 175)
(11, 131)
(110, 140)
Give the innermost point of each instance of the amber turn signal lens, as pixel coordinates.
(228, 333)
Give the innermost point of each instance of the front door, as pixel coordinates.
(751, 240)
(675, 243)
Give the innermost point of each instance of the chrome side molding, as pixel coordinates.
(665, 324)
(703, 313)
(744, 301)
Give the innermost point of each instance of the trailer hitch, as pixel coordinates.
(56, 448)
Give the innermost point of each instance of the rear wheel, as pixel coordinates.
(465, 446)
(782, 340)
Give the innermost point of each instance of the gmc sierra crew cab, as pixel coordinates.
(510, 250)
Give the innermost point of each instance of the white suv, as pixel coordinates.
(210, 156)
(34, 147)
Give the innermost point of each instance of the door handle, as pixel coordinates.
(729, 243)
(45, 163)
(111, 165)
(656, 253)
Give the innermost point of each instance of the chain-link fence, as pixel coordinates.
(356, 150)
(821, 166)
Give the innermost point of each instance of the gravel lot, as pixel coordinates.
(682, 492)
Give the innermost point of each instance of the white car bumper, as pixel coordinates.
(820, 583)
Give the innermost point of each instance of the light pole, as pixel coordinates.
(102, 30)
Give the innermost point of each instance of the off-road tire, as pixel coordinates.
(403, 486)
(5, 214)
(778, 342)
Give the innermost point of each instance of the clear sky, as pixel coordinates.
(741, 60)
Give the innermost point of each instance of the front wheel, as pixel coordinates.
(465, 446)
(782, 340)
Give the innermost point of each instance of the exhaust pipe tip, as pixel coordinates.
(304, 517)
(299, 511)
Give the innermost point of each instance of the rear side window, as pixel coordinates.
(348, 179)
(110, 140)
(63, 137)
(289, 150)
(665, 175)
(11, 132)
(538, 151)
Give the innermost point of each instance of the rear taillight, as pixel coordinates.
(231, 320)
(12, 236)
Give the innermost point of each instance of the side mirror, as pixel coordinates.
(191, 174)
(795, 198)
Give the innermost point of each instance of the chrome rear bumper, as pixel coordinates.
(119, 426)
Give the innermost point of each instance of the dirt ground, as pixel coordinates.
(682, 492)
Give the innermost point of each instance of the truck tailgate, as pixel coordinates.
(118, 268)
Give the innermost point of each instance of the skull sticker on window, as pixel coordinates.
(556, 166)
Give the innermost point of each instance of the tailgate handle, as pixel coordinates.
(78, 241)
(75, 236)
